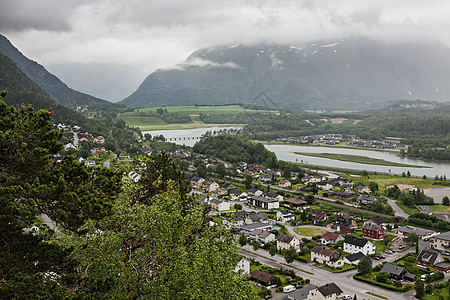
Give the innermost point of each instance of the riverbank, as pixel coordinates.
(358, 159)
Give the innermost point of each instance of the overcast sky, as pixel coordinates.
(107, 47)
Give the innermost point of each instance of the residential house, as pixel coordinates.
(345, 220)
(329, 291)
(261, 236)
(364, 199)
(263, 202)
(285, 241)
(284, 183)
(433, 259)
(373, 231)
(312, 179)
(339, 182)
(254, 192)
(354, 245)
(377, 220)
(273, 196)
(441, 242)
(363, 189)
(242, 165)
(353, 259)
(256, 218)
(265, 178)
(237, 195)
(133, 175)
(425, 209)
(318, 215)
(326, 186)
(397, 272)
(421, 233)
(326, 256)
(211, 186)
(285, 216)
(246, 229)
(330, 238)
(297, 203)
(242, 266)
(196, 181)
(219, 205)
(263, 278)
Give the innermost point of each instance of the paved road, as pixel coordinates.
(320, 277)
(397, 209)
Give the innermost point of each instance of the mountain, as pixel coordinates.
(22, 89)
(352, 74)
(51, 84)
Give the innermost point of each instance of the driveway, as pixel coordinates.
(398, 211)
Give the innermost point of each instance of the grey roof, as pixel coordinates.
(443, 236)
(240, 214)
(371, 226)
(254, 226)
(302, 293)
(418, 231)
(366, 198)
(424, 209)
(284, 238)
(377, 220)
(355, 241)
(428, 257)
(329, 289)
(355, 257)
(263, 199)
(258, 216)
(392, 269)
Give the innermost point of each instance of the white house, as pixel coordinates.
(263, 202)
(220, 205)
(285, 216)
(242, 266)
(354, 245)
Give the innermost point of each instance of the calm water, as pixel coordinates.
(286, 152)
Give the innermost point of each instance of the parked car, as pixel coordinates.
(381, 257)
(389, 251)
(375, 258)
(445, 253)
(268, 297)
(347, 297)
(426, 239)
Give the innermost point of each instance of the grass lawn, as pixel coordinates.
(344, 268)
(357, 159)
(306, 231)
(384, 180)
(436, 293)
(407, 209)
(137, 121)
(205, 109)
(439, 208)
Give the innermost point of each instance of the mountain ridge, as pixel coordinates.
(51, 84)
(318, 75)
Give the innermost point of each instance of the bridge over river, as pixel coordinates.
(170, 139)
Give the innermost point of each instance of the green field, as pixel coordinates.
(138, 121)
(204, 109)
(358, 159)
(306, 231)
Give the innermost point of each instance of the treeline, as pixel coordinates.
(426, 131)
(233, 148)
(411, 198)
(425, 220)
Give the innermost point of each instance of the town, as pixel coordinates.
(298, 230)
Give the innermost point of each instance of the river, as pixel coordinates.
(286, 152)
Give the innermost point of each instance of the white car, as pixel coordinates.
(347, 297)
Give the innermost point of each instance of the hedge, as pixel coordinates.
(383, 285)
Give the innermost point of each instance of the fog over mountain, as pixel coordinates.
(106, 48)
(339, 74)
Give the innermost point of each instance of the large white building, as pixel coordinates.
(354, 245)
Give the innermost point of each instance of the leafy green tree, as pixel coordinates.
(365, 265)
(248, 181)
(290, 254)
(221, 171)
(420, 289)
(157, 245)
(413, 239)
(310, 199)
(201, 170)
(445, 200)
(382, 277)
(273, 250)
(242, 240)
